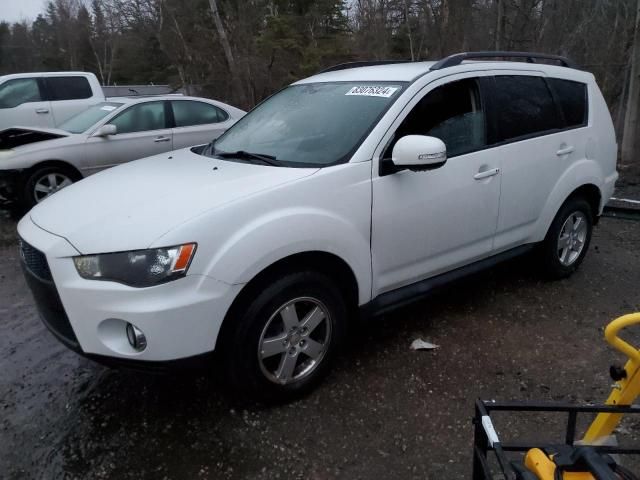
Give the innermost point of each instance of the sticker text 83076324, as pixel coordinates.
(372, 91)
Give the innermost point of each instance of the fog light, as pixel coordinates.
(136, 338)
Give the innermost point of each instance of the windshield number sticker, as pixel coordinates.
(372, 91)
(108, 108)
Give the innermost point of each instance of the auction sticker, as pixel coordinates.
(372, 91)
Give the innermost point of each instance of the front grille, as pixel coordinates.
(35, 261)
(40, 282)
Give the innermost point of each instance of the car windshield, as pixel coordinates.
(308, 125)
(83, 121)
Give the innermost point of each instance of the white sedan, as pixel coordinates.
(37, 162)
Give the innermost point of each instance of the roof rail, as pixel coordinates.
(347, 65)
(458, 58)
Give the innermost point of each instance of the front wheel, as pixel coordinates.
(568, 238)
(45, 182)
(282, 344)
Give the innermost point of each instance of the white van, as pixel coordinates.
(358, 189)
(46, 99)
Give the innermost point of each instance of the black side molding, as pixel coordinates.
(416, 291)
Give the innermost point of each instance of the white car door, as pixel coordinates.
(22, 102)
(427, 223)
(535, 148)
(141, 132)
(197, 123)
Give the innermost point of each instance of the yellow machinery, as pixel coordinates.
(589, 459)
(627, 387)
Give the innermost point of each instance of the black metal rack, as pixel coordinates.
(529, 57)
(372, 63)
(485, 439)
(458, 58)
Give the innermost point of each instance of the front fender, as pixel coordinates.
(280, 234)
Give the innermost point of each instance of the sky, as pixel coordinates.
(17, 10)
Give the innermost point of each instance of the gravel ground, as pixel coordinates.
(385, 411)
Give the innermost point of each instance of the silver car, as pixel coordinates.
(37, 162)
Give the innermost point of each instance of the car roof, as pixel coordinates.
(410, 71)
(176, 96)
(394, 72)
(156, 98)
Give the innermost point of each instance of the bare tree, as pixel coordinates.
(228, 53)
(500, 20)
(631, 136)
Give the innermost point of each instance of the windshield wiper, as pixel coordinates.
(268, 159)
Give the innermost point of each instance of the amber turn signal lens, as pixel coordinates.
(184, 257)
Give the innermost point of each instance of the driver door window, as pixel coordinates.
(453, 113)
(141, 132)
(22, 103)
(141, 118)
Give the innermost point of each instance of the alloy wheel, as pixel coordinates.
(571, 240)
(49, 184)
(295, 340)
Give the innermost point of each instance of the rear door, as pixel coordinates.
(197, 122)
(142, 131)
(68, 95)
(23, 102)
(534, 148)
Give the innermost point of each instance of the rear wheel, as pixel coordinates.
(281, 344)
(44, 182)
(568, 238)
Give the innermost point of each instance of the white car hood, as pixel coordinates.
(130, 206)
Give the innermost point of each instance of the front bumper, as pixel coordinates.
(180, 319)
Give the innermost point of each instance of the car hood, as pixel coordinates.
(23, 139)
(130, 206)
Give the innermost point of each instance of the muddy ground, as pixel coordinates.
(385, 412)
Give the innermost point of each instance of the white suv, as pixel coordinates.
(355, 189)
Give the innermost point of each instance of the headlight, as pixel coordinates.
(138, 268)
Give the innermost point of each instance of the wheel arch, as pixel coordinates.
(329, 264)
(584, 177)
(55, 163)
(592, 194)
(589, 190)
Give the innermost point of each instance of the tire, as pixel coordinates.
(44, 177)
(269, 320)
(568, 238)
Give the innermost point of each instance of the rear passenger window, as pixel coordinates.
(453, 113)
(524, 107)
(68, 88)
(572, 98)
(187, 112)
(18, 91)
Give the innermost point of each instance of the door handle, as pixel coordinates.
(42, 110)
(486, 173)
(565, 151)
(162, 139)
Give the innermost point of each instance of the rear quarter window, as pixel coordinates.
(68, 88)
(572, 99)
(524, 107)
